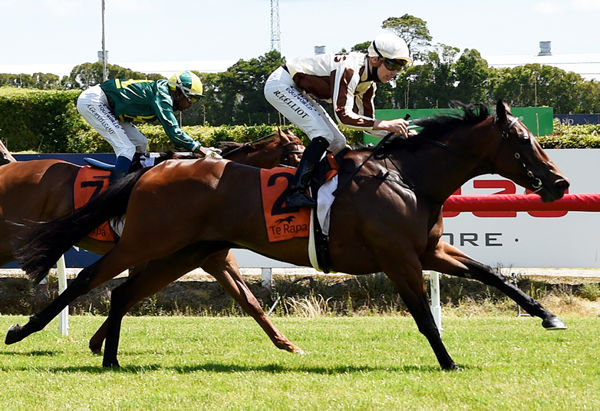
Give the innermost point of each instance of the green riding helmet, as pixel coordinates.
(188, 83)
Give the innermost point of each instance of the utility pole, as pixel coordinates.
(104, 71)
(275, 33)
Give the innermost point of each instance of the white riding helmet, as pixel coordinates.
(391, 48)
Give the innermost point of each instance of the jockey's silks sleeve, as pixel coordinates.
(343, 80)
(146, 100)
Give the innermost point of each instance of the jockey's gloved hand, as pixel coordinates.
(210, 152)
(214, 152)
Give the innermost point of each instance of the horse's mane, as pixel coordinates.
(435, 128)
(228, 146)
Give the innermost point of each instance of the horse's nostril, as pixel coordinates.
(562, 184)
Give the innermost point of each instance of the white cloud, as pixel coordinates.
(557, 7)
(548, 7)
(586, 4)
(63, 8)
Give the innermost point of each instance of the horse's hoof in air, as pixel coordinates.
(12, 335)
(96, 349)
(554, 323)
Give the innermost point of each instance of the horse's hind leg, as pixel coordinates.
(147, 281)
(224, 268)
(158, 274)
(142, 282)
(408, 280)
(450, 260)
(84, 282)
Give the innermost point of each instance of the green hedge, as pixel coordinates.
(565, 136)
(47, 121)
(38, 120)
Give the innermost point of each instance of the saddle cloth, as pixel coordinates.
(90, 182)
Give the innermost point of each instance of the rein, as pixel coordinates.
(378, 147)
(505, 133)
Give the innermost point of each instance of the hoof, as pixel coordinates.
(95, 345)
(13, 334)
(452, 367)
(111, 364)
(95, 349)
(554, 323)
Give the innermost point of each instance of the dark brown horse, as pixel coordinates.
(386, 218)
(42, 190)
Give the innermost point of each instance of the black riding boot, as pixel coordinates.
(121, 169)
(296, 196)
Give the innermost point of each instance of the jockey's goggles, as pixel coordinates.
(391, 64)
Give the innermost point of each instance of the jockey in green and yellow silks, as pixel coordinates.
(113, 106)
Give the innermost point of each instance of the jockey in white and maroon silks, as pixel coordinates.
(348, 81)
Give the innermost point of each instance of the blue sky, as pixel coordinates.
(69, 31)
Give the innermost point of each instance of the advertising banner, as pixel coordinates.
(532, 239)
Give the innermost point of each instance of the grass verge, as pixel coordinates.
(371, 362)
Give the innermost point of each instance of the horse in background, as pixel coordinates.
(42, 190)
(387, 217)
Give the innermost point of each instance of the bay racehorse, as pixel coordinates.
(42, 190)
(387, 217)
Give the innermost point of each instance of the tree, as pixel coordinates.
(413, 30)
(240, 90)
(361, 47)
(471, 75)
(88, 74)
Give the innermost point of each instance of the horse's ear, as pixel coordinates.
(501, 111)
(283, 135)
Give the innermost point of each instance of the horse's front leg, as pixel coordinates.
(450, 260)
(408, 279)
(224, 268)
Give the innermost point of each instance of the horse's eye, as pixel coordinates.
(524, 138)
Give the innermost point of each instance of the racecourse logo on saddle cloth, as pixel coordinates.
(284, 225)
(281, 224)
(90, 182)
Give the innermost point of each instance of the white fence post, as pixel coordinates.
(63, 318)
(436, 309)
(266, 277)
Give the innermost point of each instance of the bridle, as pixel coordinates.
(290, 149)
(536, 183)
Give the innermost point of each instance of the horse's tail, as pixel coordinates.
(43, 245)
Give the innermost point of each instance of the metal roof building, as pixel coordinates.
(587, 65)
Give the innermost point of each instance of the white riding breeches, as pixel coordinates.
(302, 110)
(124, 137)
